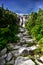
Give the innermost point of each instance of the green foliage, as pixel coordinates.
(35, 24)
(8, 27)
(41, 41)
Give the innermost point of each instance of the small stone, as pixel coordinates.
(9, 56)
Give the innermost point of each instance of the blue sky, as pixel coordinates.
(22, 6)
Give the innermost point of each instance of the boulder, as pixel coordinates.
(11, 62)
(2, 61)
(41, 58)
(3, 52)
(9, 56)
(23, 61)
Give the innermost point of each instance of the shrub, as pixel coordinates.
(8, 27)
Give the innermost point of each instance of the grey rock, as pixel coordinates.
(38, 62)
(4, 56)
(22, 49)
(11, 62)
(23, 61)
(25, 33)
(25, 53)
(29, 40)
(3, 52)
(17, 47)
(15, 53)
(9, 56)
(41, 58)
(33, 47)
(22, 41)
(21, 29)
(19, 35)
(2, 61)
(10, 46)
(13, 47)
(25, 45)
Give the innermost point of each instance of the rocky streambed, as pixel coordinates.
(21, 53)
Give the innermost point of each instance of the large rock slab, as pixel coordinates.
(23, 61)
(2, 61)
(11, 62)
(39, 62)
(41, 58)
(23, 50)
(9, 56)
(13, 47)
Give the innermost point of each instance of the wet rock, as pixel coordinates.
(9, 56)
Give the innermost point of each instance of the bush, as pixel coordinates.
(8, 27)
(41, 41)
(35, 24)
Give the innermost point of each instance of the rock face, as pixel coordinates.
(23, 61)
